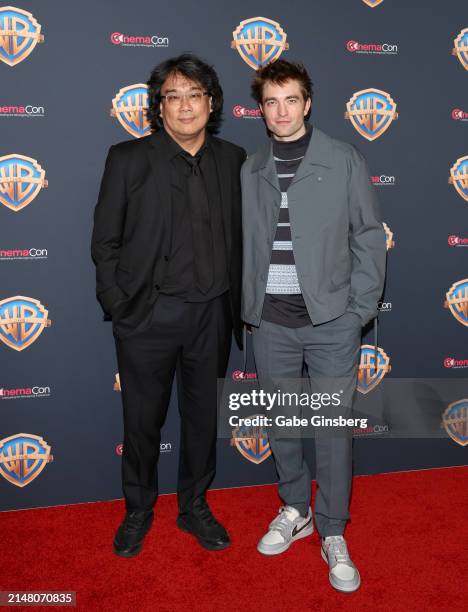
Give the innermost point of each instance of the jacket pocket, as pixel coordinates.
(124, 279)
(341, 276)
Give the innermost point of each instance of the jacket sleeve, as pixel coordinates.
(109, 217)
(367, 242)
(243, 156)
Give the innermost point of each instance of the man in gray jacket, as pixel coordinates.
(313, 272)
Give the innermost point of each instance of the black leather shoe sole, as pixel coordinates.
(128, 552)
(208, 544)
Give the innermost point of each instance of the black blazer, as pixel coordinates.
(132, 228)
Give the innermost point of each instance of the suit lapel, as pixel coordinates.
(270, 191)
(161, 171)
(225, 188)
(317, 157)
(267, 167)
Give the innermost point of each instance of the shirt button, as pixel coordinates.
(157, 287)
(319, 178)
(166, 258)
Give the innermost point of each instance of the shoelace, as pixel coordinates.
(337, 548)
(204, 512)
(133, 521)
(282, 523)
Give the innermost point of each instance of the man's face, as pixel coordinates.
(284, 109)
(184, 116)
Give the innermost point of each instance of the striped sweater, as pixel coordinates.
(284, 304)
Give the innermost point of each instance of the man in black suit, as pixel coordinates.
(167, 249)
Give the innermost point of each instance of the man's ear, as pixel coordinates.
(260, 106)
(211, 103)
(308, 104)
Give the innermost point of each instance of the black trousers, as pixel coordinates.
(195, 340)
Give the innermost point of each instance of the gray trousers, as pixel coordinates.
(330, 352)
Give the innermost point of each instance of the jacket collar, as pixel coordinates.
(319, 152)
(157, 139)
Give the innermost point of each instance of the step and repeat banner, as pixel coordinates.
(390, 77)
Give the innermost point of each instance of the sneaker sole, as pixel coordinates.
(205, 543)
(277, 551)
(337, 586)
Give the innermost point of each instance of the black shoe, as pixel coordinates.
(200, 522)
(128, 540)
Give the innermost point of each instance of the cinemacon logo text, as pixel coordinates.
(22, 111)
(459, 115)
(139, 41)
(24, 392)
(164, 447)
(372, 429)
(239, 375)
(450, 362)
(353, 46)
(8, 254)
(241, 112)
(384, 306)
(456, 241)
(383, 179)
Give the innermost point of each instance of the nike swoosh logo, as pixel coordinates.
(295, 531)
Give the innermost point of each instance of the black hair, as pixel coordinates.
(193, 68)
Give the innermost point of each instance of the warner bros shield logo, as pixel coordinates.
(21, 179)
(372, 3)
(23, 457)
(455, 421)
(457, 301)
(22, 321)
(129, 106)
(371, 112)
(370, 373)
(459, 176)
(251, 442)
(460, 48)
(388, 237)
(19, 34)
(259, 40)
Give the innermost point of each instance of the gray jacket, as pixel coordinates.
(337, 234)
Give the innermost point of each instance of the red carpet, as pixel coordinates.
(407, 537)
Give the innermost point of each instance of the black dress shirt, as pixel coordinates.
(180, 279)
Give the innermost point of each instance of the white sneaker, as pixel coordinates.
(285, 529)
(343, 574)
